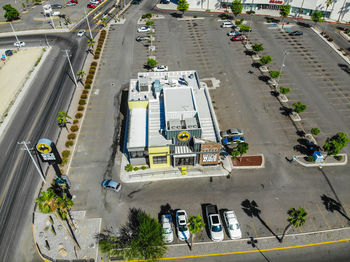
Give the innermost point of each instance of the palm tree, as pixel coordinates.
(65, 204)
(91, 43)
(62, 119)
(297, 218)
(49, 202)
(328, 3)
(81, 74)
(195, 225)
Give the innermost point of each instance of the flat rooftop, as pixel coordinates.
(178, 99)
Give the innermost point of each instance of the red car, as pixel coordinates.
(73, 1)
(89, 5)
(238, 38)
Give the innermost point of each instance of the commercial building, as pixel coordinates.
(339, 10)
(171, 121)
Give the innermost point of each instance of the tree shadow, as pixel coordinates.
(264, 78)
(274, 93)
(225, 16)
(164, 210)
(303, 24)
(176, 15)
(250, 53)
(256, 65)
(251, 208)
(345, 68)
(332, 205)
(306, 147)
(286, 111)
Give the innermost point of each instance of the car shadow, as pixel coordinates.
(204, 215)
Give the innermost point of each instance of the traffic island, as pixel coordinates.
(247, 162)
(338, 160)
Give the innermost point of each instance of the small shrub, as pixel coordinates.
(90, 76)
(98, 50)
(136, 168)
(143, 167)
(284, 90)
(87, 86)
(78, 115)
(65, 153)
(81, 108)
(92, 71)
(75, 121)
(64, 161)
(83, 96)
(93, 67)
(82, 102)
(310, 159)
(315, 131)
(85, 92)
(94, 63)
(147, 15)
(74, 128)
(338, 158)
(96, 56)
(129, 168)
(69, 143)
(194, 16)
(71, 136)
(88, 81)
(46, 228)
(341, 49)
(330, 39)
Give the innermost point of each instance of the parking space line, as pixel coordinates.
(323, 216)
(310, 219)
(256, 234)
(301, 231)
(339, 219)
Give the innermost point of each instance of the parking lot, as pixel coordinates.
(242, 101)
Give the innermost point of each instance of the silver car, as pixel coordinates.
(231, 132)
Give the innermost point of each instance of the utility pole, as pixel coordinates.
(70, 65)
(88, 23)
(285, 53)
(30, 154)
(13, 30)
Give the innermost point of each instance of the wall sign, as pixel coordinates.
(209, 157)
(48, 152)
(276, 2)
(183, 136)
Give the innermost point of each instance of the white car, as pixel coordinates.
(81, 33)
(94, 2)
(233, 228)
(160, 68)
(168, 235)
(227, 24)
(181, 225)
(143, 29)
(19, 44)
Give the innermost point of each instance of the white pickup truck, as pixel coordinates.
(214, 223)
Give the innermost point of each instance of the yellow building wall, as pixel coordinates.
(137, 104)
(159, 151)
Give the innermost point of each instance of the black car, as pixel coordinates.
(56, 6)
(295, 33)
(8, 52)
(135, 2)
(142, 37)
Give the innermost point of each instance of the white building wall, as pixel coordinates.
(338, 8)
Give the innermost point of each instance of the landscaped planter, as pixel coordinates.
(295, 117)
(283, 98)
(152, 48)
(256, 57)
(263, 69)
(272, 82)
(248, 46)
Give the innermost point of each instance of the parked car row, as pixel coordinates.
(235, 33)
(93, 3)
(232, 137)
(215, 226)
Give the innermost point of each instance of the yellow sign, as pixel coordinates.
(184, 170)
(43, 148)
(183, 136)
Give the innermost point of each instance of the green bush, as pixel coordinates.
(87, 86)
(93, 63)
(92, 71)
(74, 128)
(136, 168)
(83, 96)
(88, 81)
(310, 159)
(64, 161)
(82, 102)
(275, 74)
(129, 168)
(147, 15)
(75, 121)
(143, 167)
(338, 158)
(266, 60)
(85, 91)
(69, 143)
(81, 108)
(284, 90)
(65, 153)
(78, 115)
(315, 131)
(90, 76)
(96, 56)
(71, 136)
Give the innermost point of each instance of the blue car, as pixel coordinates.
(233, 140)
(233, 33)
(111, 184)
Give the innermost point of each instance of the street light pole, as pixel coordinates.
(71, 67)
(13, 30)
(285, 53)
(30, 154)
(88, 23)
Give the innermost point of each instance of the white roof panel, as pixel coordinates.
(137, 128)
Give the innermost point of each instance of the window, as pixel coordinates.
(137, 154)
(160, 160)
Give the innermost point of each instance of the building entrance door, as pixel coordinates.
(184, 161)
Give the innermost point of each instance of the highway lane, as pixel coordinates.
(35, 118)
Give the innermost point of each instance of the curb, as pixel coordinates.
(320, 165)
